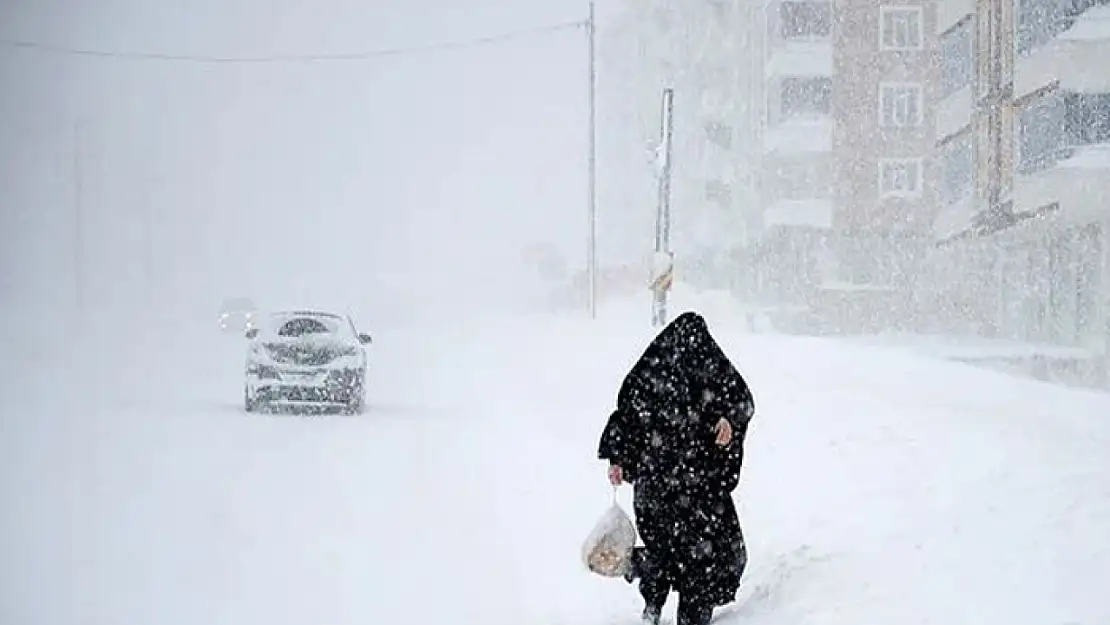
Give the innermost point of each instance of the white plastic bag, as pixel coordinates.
(608, 548)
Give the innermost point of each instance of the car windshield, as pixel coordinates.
(293, 325)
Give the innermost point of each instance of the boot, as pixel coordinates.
(635, 565)
(652, 615)
(693, 614)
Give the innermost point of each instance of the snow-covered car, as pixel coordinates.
(305, 359)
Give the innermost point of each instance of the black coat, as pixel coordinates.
(662, 435)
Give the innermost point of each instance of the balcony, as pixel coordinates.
(800, 39)
(954, 108)
(953, 113)
(1075, 56)
(800, 135)
(1064, 155)
(955, 186)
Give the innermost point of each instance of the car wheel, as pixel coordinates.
(355, 401)
(353, 407)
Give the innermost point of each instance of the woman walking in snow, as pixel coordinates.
(677, 435)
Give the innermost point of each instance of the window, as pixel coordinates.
(806, 96)
(956, 61)
(957, 166)
(805, 20)
(1036, 24)
(901, 104)
(1040, 132)
(1087, 118)
(302, 326)
(1051, 126)
(900, 28)
(900, 177)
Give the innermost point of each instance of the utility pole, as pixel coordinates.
(591, 244)
(663, 263)
(762, 117)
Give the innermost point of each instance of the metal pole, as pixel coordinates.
(663, 211)
(591, 245)
(763, 120)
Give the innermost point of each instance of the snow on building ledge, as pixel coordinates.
(1088, 157)
(800, 58)
(952, 219)
(950, 12)
(1093, 25)
(1078, 58)
(1080, 185)
(954, 112)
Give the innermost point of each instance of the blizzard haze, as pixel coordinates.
(438, 194)
(403, 185)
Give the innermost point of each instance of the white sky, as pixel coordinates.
(409, 177)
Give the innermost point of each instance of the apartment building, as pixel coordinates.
(799, 124)
(1023, 126)
(711, 159)
(848, 189)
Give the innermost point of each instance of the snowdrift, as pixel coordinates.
(879, 487)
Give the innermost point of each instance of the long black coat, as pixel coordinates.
(662, 435)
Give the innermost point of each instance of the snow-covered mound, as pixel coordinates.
(879, 487)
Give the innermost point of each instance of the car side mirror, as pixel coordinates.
(365, 339)
(252, 333)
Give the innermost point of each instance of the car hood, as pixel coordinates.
(306, 351)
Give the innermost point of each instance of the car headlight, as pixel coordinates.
(343, 377)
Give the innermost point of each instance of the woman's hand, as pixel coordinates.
(724, 432)
(616, 474)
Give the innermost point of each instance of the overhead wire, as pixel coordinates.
(295, 58)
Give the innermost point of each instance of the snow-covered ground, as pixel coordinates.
(880, 487)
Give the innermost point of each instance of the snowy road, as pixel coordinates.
(879, 488)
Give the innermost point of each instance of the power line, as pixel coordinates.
(305, 58)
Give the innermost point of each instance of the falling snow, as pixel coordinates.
(893, 216)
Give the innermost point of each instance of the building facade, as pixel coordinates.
(848, 188)
(1023, 128)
